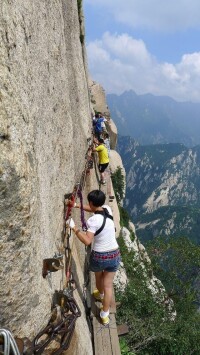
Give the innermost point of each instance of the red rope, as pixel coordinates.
(69, 207)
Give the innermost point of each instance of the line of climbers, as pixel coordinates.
(104, 258)
(105, 254)
(101, 143)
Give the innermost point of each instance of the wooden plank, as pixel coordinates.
(106, 341)
(122, 329)
(108, 178)
(114, 336)
(102, 343)
(97, 336)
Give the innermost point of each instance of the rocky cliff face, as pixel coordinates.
(98, 100)
(163, 195)
(44, 125)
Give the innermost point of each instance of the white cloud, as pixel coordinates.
(152, 14)
(125, 47)
(120, 62)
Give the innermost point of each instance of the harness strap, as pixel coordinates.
(84, 224)
(105, 215)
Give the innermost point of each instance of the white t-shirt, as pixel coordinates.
(105, 240)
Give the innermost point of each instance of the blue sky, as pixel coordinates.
(145, 45)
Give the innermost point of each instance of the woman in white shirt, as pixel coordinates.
(105, 255)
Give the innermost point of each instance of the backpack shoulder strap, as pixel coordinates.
(105, 215)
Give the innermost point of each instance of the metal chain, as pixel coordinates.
(65, 310)
(9, 343)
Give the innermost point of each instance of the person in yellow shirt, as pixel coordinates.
(103, 158)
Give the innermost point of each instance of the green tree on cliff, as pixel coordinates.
(152, 328)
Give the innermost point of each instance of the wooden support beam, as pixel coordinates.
(122, 329)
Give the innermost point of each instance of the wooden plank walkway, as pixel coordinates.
(106, 341)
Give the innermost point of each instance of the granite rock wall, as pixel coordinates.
(45, 120)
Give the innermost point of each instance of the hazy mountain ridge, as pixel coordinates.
(163, 188)
(155, 119)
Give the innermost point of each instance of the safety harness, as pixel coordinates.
(105, 215)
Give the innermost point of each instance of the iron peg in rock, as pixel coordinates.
(51, 265)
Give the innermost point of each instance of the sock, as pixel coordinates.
(104, 314)
(101, 295)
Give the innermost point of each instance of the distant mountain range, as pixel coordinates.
(155, 119)
(163, 188)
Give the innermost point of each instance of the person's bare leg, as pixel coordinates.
(108, 288)
(102, 176)
(99, 281)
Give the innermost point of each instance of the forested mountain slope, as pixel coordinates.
(163, 188)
